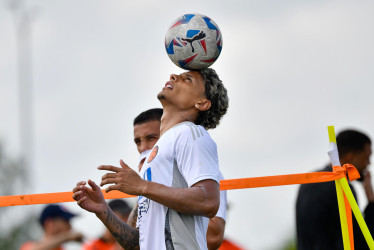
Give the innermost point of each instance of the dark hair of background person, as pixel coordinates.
(120, 206)
(149, 115)
(351, 141)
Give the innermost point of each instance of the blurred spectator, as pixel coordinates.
(107, 241)
(55, 220)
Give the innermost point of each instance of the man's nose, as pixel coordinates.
(173, 77)
(144, 147)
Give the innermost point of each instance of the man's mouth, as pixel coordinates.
(168, 85)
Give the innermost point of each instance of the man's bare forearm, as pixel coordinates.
(127, 236)
(133, 217)
(200, 199)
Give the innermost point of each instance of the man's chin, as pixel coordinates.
(361, 179)
(161, 96)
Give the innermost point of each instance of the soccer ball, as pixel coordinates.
(193, 41)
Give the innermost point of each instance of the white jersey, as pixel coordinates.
(183, 156)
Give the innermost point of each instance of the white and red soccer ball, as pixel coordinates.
(193, 41)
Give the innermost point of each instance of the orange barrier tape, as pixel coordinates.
(279, 180)
(254, 182)
(32, 199)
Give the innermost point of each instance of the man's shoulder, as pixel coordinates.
(31, 245)
(97, 244)
(27, 245)
(191, 131)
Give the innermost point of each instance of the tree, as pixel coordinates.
(13, 180)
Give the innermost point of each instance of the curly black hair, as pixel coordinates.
(216, 93)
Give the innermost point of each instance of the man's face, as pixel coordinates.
(184, 90)
(56, 225)
(146, 135)
(362, 159)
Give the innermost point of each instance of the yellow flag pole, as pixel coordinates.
(356, 211)
(343, 216)
(334, 158)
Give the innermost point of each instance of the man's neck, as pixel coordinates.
(170, 119)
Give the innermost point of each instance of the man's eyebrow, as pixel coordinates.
(151, 135)
(188, 74)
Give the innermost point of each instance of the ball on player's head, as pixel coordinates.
(193, 41)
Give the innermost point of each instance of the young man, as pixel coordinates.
(317, 214)
(55, 220)
(146, 134)
(179, 188)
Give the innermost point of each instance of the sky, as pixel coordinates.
(291, 69)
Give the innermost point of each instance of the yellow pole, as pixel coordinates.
(356, 211)
(334, 157)
(343, 216)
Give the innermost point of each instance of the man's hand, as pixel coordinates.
(89, 198)
(124, 179)
(74, 236)
(368, 186)
(215, 233)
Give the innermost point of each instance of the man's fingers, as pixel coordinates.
(110, 188)
(77, 188)
(108, 181)
(76, 196)
(108, 175)
(81, 183)
(80, 201)
(93, 185)
(80, 187)
(109, 168)
(123, 164)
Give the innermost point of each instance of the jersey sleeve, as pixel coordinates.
(196, 155)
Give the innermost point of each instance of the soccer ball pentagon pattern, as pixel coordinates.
(193, 41)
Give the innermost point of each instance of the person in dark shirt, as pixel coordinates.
(317, 213)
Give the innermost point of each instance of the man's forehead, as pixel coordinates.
(193, 73)
(147, 126)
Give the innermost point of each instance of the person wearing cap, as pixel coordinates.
(107, 241)
(55, 220)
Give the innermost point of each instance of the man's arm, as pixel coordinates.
(200, 199)
(55, 241)
(92, 199)
(216, 230)
(126, 235)
(133, 217)
(368, 187)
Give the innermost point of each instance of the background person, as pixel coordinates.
(317, 213)
(55, 220)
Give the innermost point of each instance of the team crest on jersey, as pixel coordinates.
(153, 154)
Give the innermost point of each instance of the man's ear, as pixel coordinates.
(203, 105)
(347, 158)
